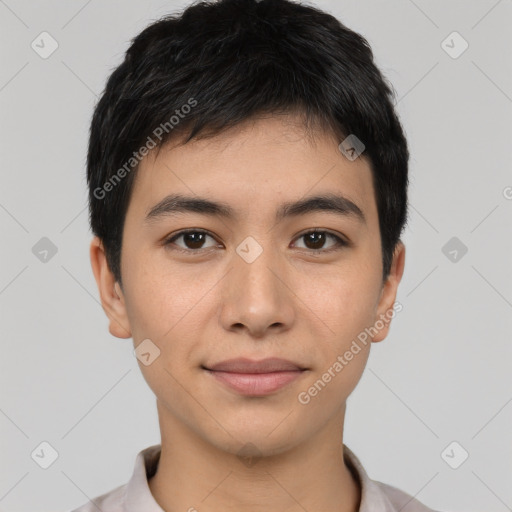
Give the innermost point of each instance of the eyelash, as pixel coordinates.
(340, 243)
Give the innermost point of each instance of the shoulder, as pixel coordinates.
(401, 500)
(377, 495)
(111, 501)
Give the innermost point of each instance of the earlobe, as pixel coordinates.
(112, 299)
(385, 308)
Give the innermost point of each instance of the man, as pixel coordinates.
(248, 189)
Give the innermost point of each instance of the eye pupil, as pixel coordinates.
(320, 239)
(197, 238)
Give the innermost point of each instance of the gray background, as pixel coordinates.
(443, 373)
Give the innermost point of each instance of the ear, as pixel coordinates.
(112, 298)
(388, 293)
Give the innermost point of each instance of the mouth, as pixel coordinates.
(255, 378)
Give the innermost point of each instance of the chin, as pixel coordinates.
(260, 439)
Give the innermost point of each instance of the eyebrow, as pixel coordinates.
(176, 204)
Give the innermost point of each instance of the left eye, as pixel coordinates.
(318, 238)
(194, 240)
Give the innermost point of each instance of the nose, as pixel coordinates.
(256, 296)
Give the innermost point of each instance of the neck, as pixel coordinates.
(193, 474)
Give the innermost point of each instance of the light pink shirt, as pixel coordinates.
(135, 496)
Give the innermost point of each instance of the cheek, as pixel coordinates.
(164, 308)
(328, 389)
(343, 309)
(170, 309)
(343, 301)
(159, 303)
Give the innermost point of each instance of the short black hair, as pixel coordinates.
(219, 63)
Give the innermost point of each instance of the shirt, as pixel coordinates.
(135, 496)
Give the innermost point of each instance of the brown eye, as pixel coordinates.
(193, 239)
(315, 240)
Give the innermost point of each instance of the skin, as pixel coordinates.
(289, 303)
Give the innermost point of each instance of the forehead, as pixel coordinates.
(252, 168)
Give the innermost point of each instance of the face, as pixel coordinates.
(301, 286)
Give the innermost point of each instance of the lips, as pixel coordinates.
(243, 365)
(255, 378)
